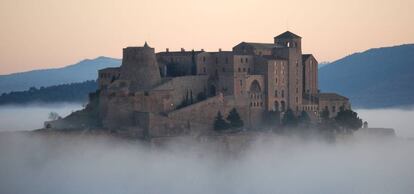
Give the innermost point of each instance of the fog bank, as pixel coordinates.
(54, 165)
(402, 120)
(29, 117)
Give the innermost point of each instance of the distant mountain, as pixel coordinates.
(376, 78)
(79, 72)
(323, 63)
(74, 92)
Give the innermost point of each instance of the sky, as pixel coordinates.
(49, 33)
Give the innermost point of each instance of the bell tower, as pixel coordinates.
(290, 40)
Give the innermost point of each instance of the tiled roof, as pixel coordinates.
(259, 45)
(288, 34)
(332, 96)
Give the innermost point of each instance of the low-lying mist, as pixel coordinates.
(75, 164)
(56, 163)
(32, 116)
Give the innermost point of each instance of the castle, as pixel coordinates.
(181, 92)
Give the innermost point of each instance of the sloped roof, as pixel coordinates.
(260, 45)
(332, 96)
(288, 34)
(271, 57)
(306, 56)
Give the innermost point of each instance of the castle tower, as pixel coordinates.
(139, 65)
(290, 48)
(290, 40)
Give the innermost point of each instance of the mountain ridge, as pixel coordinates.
(377, 77)
(82, 71)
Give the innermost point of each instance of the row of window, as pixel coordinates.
(310, 108)
(256, 96)
(246, 60)
(282, 93)
(256, 104)
(244, 69)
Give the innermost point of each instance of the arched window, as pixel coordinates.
(275, 93)
(283, 106)
(276, 106)
(255, 87)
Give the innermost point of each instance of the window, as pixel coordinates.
(241, 60)
(275, 93)
(241, 82)
(297, 99)
(283, 93)
(333, 109)
(204, 69)
(276, 80)
(227, 60)
(247, 60)
(239, 69)
(204, 59)
(224, 69)
(244, 69)
(248, 70)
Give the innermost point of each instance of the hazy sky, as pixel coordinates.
(50, 33)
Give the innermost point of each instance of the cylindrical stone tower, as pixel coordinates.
(139, 66)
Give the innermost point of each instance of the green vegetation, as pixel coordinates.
(75, 92)
(289, 119)
(234, 121)
(220, 124)
(346, 121)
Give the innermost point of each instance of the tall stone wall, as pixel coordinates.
(179, 86)
(139, 65)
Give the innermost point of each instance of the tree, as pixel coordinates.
(272, 118)
(327, 124)
(289, 119)
(348, 120)
(234, 119)
(219, 123)
(201, 96)
(304, 119)
(53, 116)
(325, 114)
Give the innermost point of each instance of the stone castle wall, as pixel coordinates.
(139, 66)
(179, 86)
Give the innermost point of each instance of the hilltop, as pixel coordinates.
(82, 71)
(376, 78)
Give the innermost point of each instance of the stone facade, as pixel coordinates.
(181, 92)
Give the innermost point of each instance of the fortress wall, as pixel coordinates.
(205, 111)
(107, 75)
(119, 113)
(179, 86)
(139, 66)
(156, 125)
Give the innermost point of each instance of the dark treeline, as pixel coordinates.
(74, 92)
